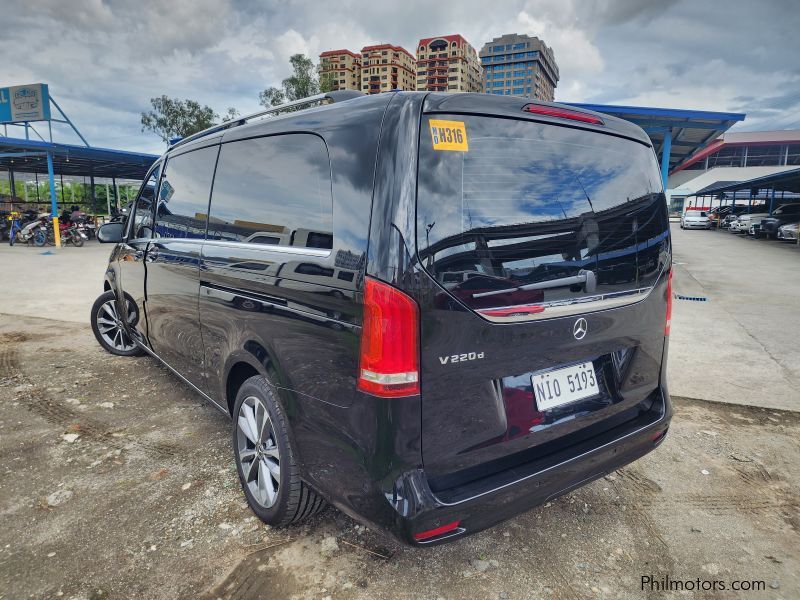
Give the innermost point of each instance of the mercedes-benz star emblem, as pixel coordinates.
(580, 328)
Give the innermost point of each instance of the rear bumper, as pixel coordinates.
(689, 225)
(504, 495)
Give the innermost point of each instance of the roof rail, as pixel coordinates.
(335, 96)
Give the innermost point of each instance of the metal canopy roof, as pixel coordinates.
(691, 130)
(710, 189)
(785, 181)
(70, 159)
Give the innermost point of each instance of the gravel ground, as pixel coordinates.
(118, 482)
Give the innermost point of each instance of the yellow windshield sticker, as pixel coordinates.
(449, 135)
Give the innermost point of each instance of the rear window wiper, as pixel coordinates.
(584, 277)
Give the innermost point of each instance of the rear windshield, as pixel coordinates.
(515, 212)
(696, 213)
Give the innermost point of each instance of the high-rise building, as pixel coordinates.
(342, 67)
(519, 65)
(386, 67)
(448, 64)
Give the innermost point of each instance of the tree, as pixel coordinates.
(172, 117)
(326, 81)
(230, 115)
(301, 84)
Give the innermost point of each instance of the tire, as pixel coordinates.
(11, 238)
(39, 238)
(77, 240)
(106, 327)
(273, 458)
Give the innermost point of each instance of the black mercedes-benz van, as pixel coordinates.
(433, 311)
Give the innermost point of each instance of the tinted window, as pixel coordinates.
(183, 195)
(533, 213)
(142, 213)
(274, 190)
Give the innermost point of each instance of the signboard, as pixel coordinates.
(21, 103)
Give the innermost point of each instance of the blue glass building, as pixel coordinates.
(519, 65)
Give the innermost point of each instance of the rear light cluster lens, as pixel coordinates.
(669, 303)
(562, 113)
(513, 311)
(431, 533)
(389, 363)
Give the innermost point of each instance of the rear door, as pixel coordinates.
(542, 245)
(173, 261)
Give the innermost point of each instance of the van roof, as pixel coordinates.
(465, 103)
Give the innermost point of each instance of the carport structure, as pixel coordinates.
(51, 158)
(781, 186)
(677, 135)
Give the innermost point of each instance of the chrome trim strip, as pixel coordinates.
(554, 310)
(565, 462)
(269, 248)
(565, 308)
(439, 538)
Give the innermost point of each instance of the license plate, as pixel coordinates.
(562, 386)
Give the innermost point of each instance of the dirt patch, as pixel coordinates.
(118, 482)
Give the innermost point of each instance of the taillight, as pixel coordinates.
(669, 303)
(562, 113)
(389, 362)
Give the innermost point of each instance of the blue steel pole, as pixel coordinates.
(771, 201)
(666, 148)
(53, 205)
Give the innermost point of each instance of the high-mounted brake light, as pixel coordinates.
(562, 113)
(389, 362)
(669, 304)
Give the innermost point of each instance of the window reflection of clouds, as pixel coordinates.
(509, 179)
(183, 199)
(277, 184)
(549, 200)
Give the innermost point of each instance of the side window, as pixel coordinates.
(273, 190)
(141, 217)
(183, 195)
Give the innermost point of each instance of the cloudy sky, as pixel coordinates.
(104, 59)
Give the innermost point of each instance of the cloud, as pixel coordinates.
(105, 59)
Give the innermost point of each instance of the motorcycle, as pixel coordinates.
(84, 224)
(34, 230)
(5, 224)
(70, 234)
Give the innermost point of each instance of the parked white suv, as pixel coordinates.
(745, 221)
(695, 219)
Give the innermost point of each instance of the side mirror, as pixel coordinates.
(110, 233)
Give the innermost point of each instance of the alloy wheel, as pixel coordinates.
(258, 454)
(111, 327)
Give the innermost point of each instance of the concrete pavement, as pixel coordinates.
(742, 345)
(53, 283)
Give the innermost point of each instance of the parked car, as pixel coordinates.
(786, 213)
(744, 222)
(717, 214)
(430, 420)
(788, 232)
(695, 219)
